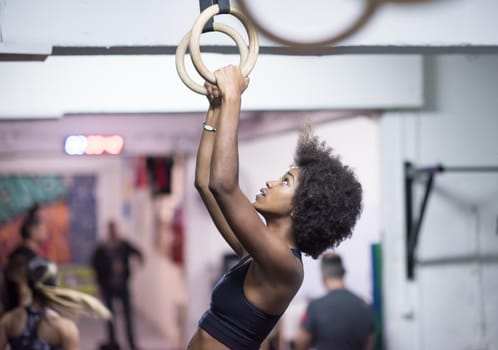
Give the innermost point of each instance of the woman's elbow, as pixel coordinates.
(201, 181)
(220, 186)
(200, 185)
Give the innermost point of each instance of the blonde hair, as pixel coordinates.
(43, 277)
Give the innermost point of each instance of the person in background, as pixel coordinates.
(339, 320)
(111, 262)
(41, 325)
(34, 234)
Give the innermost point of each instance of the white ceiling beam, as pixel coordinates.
(40, 25)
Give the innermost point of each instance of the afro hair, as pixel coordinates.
(328, 200)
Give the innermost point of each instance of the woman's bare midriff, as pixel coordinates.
(201, 340)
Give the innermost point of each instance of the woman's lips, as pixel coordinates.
(262, 193)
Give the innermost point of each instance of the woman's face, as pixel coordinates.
(276, 198)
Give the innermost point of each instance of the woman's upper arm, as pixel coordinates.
(220, 221)
(268, 250)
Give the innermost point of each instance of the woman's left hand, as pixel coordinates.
(213, 95)
(230, 81)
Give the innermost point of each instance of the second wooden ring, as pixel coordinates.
(183, 46)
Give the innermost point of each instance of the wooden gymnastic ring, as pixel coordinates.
(183, 46)
(370, 8)
(195, 50)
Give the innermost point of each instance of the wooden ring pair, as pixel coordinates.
(248, 56)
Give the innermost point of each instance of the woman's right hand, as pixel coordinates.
(230, 81)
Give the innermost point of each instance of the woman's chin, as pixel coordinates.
(258, 207)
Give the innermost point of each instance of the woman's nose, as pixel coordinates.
(270, 183)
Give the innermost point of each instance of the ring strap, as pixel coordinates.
(224, 6)
(224, 9)
(204, 4)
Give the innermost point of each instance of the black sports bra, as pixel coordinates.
(28, 339)
(232, 319)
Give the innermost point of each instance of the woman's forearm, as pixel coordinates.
(225, 157)
(204, 152)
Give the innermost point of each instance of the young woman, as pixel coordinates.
(312, 206)
(39, 326)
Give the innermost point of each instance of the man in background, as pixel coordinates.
(34, 233)
(111, 262)
(339, 320)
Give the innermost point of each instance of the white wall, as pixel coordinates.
(451, 305)
(33, 26)
(160, 283)
(356, 140)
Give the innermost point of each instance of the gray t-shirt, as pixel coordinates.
(339, 320)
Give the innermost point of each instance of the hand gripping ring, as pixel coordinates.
(195, 50)
(369, 10)
(182, 49)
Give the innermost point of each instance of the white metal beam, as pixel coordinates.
(95, 23)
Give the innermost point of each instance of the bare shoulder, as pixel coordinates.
(15, 313)
(69, 330)
(70, 335)
(287, 270)
(12, 324)
(5, 320)
(13, 318)
(66, 328)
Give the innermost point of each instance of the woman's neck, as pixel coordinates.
(36, 305)
(29, 243)
(283, 228)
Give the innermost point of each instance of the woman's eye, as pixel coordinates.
(285, 181)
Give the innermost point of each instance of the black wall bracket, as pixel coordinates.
(414, 223)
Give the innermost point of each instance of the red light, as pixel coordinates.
(95, 145)
(114, 144)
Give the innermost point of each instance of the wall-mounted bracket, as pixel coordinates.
(413, 223)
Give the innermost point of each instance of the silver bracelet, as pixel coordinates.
(208, 127)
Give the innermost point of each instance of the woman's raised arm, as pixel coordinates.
(268, 250)
(203, 166)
